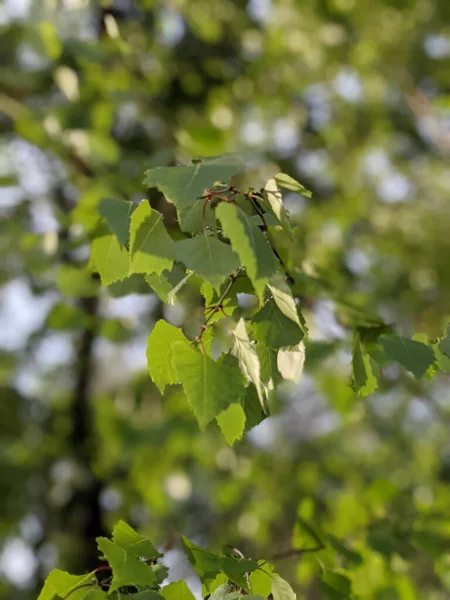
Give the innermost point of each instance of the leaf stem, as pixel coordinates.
(216, 307)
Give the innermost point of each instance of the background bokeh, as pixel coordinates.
(352, 97)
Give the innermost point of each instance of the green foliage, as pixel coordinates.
(132, 572)
(332, 252)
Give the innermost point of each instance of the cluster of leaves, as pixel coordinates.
(133, 570)
(235, 243)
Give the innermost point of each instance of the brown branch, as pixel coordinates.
(296, 552)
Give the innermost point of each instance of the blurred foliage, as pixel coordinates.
(353, 98)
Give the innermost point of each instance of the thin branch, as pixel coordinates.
(296, 552)
(216, 308)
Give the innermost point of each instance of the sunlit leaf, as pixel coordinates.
(249, 243)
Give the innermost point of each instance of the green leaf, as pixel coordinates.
(237, 568)
(245, 352)
(209, 386)
(178, 590)
(117, 213)
(185, 185)
(364, 381)
(95, 594)
(208, 257)
(75, 282)
(290, 362)
(167, 284)
(275, 200)
(232, 422)
(444, 344)
(151, 247)
(283, 298)
(253, 410)
(287, 182)
(160, 285)
(268, 364)
(160, 353)
(134, 543)
(109, 259)
(414, 356)
(250, 244)
(281, 590)
(145, 595)
(261, 579)
(60, 583)
(126, 568)
(206, 564)
(273, 328)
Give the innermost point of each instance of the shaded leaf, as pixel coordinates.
(117, 213)
(414, 356)
(185, 185)
(213, 260)
(273, 328)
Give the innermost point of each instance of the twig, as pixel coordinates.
(296, 552)
(216, 308)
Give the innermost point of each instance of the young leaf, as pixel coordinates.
(209, 386)
(281, 590)
(184, 186)
(287, 182)
(178, 590)
(110, 260)
(208, 257)
(61, 583)
(232, 422)
(245, 352)
(290, 362)
(414, 356)
(117, 213)
(250, 244)
(126, 568)
(274, 329)
(160, 353)
(275, 200)
(151, 247)
(134, 543)
(364, 381)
